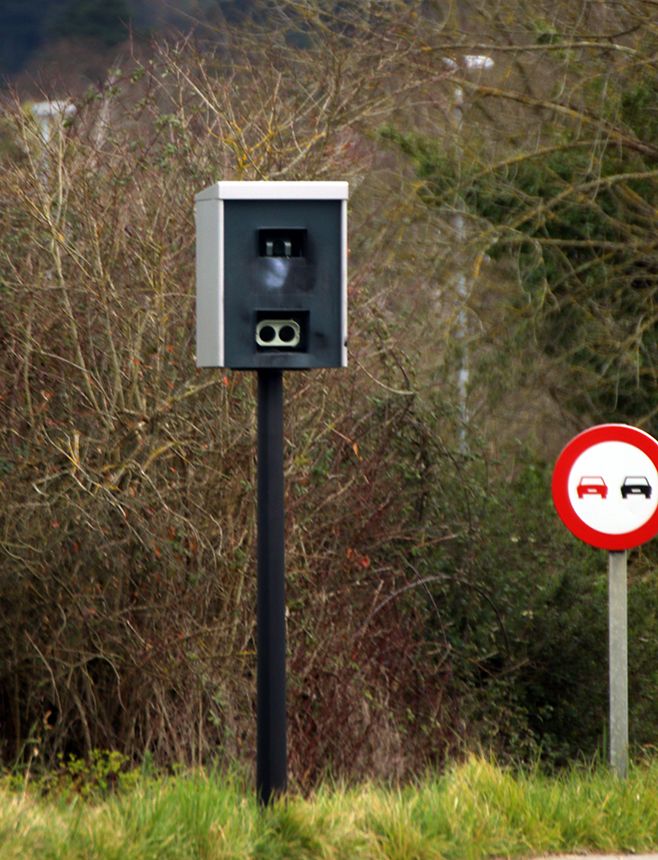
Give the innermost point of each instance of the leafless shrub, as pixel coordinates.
(128, 527)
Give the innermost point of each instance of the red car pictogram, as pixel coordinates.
(592, 485)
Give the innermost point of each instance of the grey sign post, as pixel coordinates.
(618, 660)
(271, 295)
(605, 489)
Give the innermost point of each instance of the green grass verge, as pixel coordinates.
(475, 810)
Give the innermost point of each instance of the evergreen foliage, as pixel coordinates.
(30, 25)
(578, 219)
(103, 20)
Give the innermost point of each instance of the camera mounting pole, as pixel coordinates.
(271, 744)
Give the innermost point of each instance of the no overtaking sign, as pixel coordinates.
(605, 489)
(605, 486)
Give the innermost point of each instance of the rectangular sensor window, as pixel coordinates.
(282, 242)
(282, 330)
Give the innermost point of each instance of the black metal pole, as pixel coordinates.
(271, 754)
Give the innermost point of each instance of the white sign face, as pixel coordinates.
(613, 487)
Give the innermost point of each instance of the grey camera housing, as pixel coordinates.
(271, 275)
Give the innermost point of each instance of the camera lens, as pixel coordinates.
(287, 333)
(267, 333)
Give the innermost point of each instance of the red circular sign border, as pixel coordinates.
(593, 436)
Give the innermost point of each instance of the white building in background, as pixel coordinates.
(49, 114)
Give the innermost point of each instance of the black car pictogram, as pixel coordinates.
(636, 485)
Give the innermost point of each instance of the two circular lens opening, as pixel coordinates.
(278, 334)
